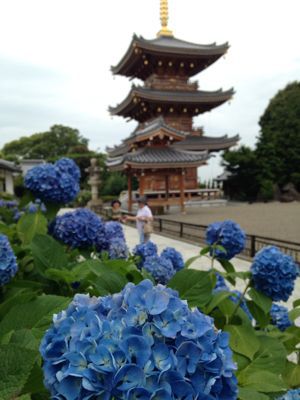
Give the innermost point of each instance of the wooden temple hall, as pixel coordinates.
(165, 150)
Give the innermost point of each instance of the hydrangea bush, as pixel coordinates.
(274, 273)
(8, 263)
(227, 234)
(54, 183)
(143, 343)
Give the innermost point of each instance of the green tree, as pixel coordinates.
(54, 143)
(278, 146)
(243, 184)
(276, 158)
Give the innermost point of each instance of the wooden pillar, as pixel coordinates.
(182, 206)
(167, 192)
(142, 184)
(129, 193)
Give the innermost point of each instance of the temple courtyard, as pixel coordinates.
(274, 220)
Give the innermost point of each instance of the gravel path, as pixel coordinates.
(275, 220)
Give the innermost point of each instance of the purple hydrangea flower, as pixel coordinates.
(227, 234)
(8, 261)
(142, 343)
(274, 273)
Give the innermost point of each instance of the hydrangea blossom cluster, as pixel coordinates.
(118, 249)
(274, 273)
(145, 250)
(68, 166)
(174, 256)
(161, 268)
(280, 317)
(227, 234)
(142, 343)
(54, 183)
(81, 228)
(114, 230)
(8, 264)
(293, 394)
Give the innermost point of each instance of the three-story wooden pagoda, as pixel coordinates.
(165, 149)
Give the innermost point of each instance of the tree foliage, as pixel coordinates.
(54, 143)
(276, 157)
(278, 146)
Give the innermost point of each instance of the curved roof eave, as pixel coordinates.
(173, 46)
(172, 96)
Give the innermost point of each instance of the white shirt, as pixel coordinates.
(144, 212)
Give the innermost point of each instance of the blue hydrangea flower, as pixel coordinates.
(227, 234)
(160, 268)
(280, 317)
(142, 343)
(8, 263)
(145, 250)
(293, 394)
(114, 230)
(68, 166)
(81, 228)
(274, 273)
(174, 256)
(118, 249)
(52, 184)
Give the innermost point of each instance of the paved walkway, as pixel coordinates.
(204, 263)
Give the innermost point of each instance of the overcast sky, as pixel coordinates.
(55, 58)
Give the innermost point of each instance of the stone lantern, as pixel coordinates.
(95, 204)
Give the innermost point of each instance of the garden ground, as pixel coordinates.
(188, 250)
(275, 220)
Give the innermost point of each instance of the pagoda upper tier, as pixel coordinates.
(167, 55)
(145, 103)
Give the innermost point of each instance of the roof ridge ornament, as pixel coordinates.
(164, 17)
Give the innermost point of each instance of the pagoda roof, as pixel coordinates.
(132, 63)
(186, 140)
(210, 143)
(153, 126)
(204, 100)
(157, 157)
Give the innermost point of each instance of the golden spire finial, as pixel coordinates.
(164, 16)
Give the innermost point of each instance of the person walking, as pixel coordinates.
(143, 220)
